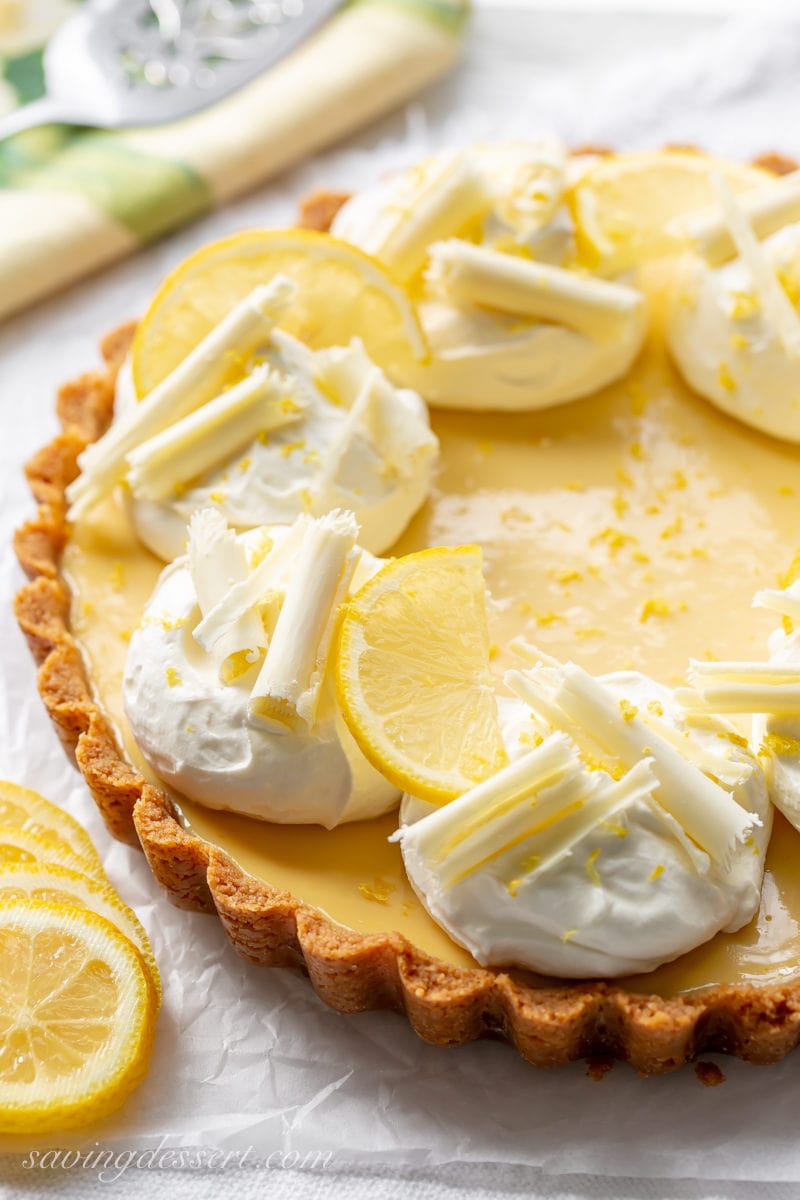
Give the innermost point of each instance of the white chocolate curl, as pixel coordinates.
(197, 379)
(285, 694)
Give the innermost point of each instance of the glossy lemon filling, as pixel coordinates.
(627, 530)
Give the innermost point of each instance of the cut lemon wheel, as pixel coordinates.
(412, 673)
(77, 1017)
(342, 293)
(58, 885)
(20, 808)
(18, 846)
(622, 205)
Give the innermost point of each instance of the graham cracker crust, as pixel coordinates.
(351, 972)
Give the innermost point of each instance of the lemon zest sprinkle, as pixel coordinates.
(725, 379)
(673, 529)
(591, 868)
(568, 576)
(379, 890)
(655, 606)
(745, 305)
(778, 743)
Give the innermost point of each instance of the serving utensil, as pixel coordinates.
(118, 63)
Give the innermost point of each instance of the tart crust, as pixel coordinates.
(351, 972)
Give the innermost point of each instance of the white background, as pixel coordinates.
(247, 1057)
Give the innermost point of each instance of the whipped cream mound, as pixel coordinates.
(625, 838)
(777, 738)
(734, 329)
(301, 431)
(770, 691)
(227, 687)
(508, 328)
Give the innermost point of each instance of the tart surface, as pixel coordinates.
(618, 530)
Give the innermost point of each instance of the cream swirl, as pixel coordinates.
(592, 873)
(356, 442)
(488, 352)
(206, 739)
(727, 343)
(778, 737)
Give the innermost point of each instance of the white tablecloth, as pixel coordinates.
(632, 79)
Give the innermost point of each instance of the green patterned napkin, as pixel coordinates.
(72, 199)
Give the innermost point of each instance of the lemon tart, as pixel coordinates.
(619, 529)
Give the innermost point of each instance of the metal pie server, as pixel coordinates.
(119, 63)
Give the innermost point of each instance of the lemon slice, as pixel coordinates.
(18, 846)
(59, 885)
(20, 808)
(412, 673)
(622, 205)
(342, 293)
(77, 1017)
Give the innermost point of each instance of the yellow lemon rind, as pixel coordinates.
(79, 891)
(438, 787)
(179, 292)
(44, 819)
(30, 1108)
(38, 849)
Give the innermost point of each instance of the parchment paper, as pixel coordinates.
(248, 1057)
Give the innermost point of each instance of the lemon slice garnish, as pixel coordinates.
(18, 846)
(621, 206)
(60, 885)
(77, 1017)
(412, 673)
(21, 808)
(342, 293)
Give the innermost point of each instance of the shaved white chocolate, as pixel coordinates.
(544, 824)
(356, 417)
(734, 332)
(727, 770)
(556, 866)
(496, 797)
(216, 559)
(532, 654)
(448, 194)
(776, 304)
(780, 700)
(742, 672)
(218, 562)
(195, 381)
(780, 601)
(742, 687)
(257, 587)
(295, 460)
(708, 814)
(767, 209)
(479, 275)
(493, 343)
(211, 435)
(195, 731)
(285, 694)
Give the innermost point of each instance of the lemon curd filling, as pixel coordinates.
(630, 529)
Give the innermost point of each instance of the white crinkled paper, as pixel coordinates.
(249, 1057)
